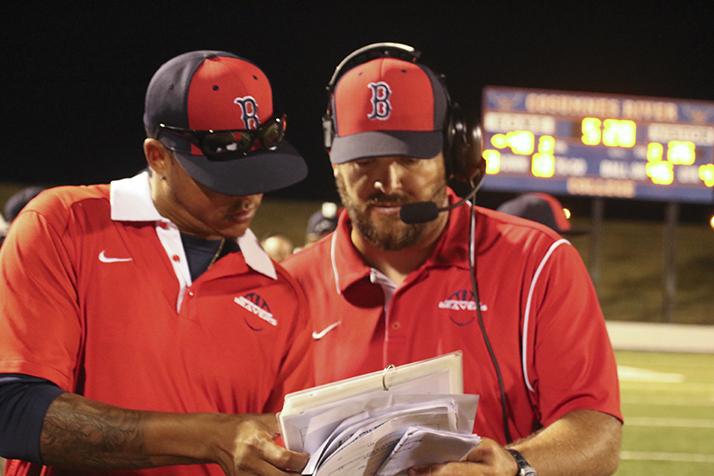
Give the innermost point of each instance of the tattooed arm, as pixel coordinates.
(79, 433)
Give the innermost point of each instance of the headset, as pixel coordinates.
(463, 162)
(462, 141)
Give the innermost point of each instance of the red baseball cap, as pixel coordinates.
(388, 106)
(219, 91)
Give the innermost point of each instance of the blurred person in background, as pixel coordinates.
(321, 223)
(278, 246)
(542, 208)
(14, 205)
(18, 200)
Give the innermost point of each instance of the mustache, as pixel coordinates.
(242, 206)
(380, 198)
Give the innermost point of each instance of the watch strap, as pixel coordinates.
(524, 468)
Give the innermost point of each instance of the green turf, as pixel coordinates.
(669, 421)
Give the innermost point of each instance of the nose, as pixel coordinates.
(389, 178)
(248, 201)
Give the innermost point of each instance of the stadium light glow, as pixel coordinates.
(655, 152)
(499, 141)
(521, 142)
(543, 165)
(493, 161)
(661, 173)
(681, 152)
(706, 174)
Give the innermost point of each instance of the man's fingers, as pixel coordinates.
(283, 458)
(484, 452)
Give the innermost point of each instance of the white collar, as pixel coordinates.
(130, 200)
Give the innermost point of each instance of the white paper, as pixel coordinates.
(420, 446)
(366, 450)
(385, 419)
(308, 415)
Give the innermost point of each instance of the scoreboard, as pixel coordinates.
(597, 145)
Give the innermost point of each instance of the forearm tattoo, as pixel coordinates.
(82, 434)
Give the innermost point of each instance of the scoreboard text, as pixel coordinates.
(598, 145)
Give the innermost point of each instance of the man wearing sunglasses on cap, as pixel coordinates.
(141, 325)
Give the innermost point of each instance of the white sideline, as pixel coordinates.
(669, 422)
(660, 456)
(656, 337)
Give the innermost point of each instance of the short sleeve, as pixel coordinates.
(40, 328)
(572, 362)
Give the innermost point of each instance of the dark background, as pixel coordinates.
(74, 75)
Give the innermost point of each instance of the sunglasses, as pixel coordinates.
(234, 143)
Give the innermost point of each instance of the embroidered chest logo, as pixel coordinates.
(381, 105)
(462, 305)
(259, 308)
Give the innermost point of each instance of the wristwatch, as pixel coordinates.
(524, 468)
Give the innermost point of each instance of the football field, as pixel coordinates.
(668, 405)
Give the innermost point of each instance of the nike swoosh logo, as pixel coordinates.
(105, 259)
(323, 332)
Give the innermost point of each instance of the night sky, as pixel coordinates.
(74, 77)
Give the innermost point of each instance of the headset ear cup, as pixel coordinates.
(327, 133)
(469, 166)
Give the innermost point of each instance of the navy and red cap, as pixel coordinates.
(542, 208)
(388, 106)
(218, 90)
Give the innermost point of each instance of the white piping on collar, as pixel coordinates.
(130, 200)
(334, 263)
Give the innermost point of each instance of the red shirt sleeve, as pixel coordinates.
(40, 327)
(571, 361)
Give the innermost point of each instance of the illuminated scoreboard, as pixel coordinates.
(598, 145)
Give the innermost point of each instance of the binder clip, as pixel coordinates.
(384, 376)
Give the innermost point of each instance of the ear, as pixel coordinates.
(158, 157)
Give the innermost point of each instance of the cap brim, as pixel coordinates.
(421, 145)
(259, 172)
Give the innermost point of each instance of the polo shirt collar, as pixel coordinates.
(349, 267)
(130, 200)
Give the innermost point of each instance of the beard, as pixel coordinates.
(388, 232)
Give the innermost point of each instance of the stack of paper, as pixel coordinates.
(383, 423)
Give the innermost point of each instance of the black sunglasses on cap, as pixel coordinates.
(234, 143)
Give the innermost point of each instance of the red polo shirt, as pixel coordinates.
(539, 307)
(96, 296)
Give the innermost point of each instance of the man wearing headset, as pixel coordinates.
(141, 324)
(510, 293)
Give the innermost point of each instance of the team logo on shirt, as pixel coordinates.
(463, 307)
(258, 307)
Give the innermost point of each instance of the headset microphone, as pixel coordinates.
(422, 212)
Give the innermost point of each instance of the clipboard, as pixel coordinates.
(437, 375)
